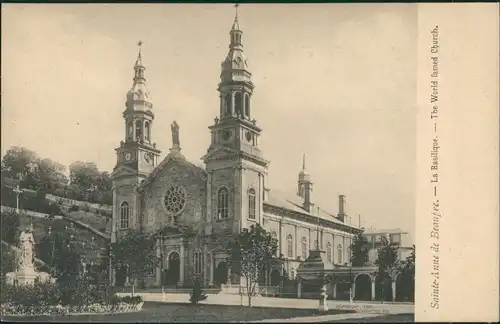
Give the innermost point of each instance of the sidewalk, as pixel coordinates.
(363, 308)
(318, 319)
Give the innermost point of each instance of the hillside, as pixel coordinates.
(100, 223)
(94, 244)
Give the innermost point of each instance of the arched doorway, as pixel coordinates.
(363, 287)
(121, 276)
(262, 277)
(174, 269)
(405, 287)
(383, 288)
(221, 273)
(275, 278)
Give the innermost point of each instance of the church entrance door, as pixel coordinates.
(174, 269)
(221, 273)
(121, 276)
(275, 277)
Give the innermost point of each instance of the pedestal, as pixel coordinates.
(26, 277)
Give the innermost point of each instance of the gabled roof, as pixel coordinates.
(372, 230)
(293, 203)
(171, 157)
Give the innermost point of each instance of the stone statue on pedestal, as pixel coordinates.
(25, 272)
(175, 134)
(27, 243)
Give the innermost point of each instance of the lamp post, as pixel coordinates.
(351, 283)
(53, 241)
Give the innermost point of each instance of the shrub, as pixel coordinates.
(197, 293)
(85, 208)
(74, 208)
(29, 295)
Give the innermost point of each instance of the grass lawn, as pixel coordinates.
(163, 312)
(393, 318)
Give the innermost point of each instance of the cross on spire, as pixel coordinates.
(139, 43)
(236, 5)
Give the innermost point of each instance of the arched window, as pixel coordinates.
(198, 262)
(329, 252)
(223, 203)
(124, 215)
(292, 274)
(247, 106)
(146, 131)
(304, 248)
(339, 254)
(289, 243)
(251, 203)
(130, 130)
(227, 105)
(316, 245)
(138, 129)
(275, 236)
(238, 103)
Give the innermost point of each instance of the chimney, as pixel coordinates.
(341, 214)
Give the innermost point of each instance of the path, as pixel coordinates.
(69, 219)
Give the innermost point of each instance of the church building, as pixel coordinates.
(194, 211)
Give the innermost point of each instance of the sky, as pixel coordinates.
(336, 82)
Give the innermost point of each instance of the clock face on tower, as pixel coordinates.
(128, 156)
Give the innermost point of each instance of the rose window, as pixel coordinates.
(175, 199)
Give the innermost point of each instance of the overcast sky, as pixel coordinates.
(334, 81)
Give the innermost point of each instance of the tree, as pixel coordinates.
(10, 227)
(85, 175)
(137, 250)
(250, 253)
(19, 162)
(387, 264)
(359, 251)
(406, 276)
(51, 175)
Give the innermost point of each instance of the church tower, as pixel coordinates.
(137, 154)
(236, 169)
(305, 186)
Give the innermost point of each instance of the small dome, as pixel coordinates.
(138, 92)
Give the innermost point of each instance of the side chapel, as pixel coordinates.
(195, 210)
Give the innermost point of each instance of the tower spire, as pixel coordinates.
(139, 43)
(138, 67)
(303, 162)
(236, 5)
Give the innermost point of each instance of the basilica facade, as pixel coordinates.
(194, 211)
